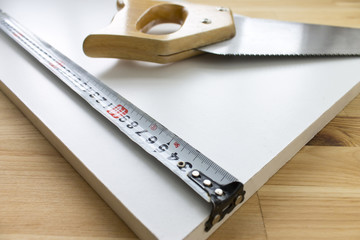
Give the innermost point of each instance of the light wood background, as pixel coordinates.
(315, 196)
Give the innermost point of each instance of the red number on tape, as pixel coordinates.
(118, 111)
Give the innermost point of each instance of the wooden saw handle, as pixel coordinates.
(126, 37)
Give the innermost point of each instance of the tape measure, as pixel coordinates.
(205, 177)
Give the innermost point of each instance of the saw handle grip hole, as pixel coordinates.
(164, 28)
(162, 19)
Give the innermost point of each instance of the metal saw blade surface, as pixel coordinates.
(263, 37)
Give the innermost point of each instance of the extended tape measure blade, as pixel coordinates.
(204, 176)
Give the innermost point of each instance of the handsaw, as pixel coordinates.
(210, 29)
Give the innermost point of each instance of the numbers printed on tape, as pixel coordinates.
(118, 111)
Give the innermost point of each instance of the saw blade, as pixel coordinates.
(264, 37)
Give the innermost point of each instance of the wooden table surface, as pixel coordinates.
(314, 196)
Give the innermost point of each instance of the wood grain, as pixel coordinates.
(315, 196)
